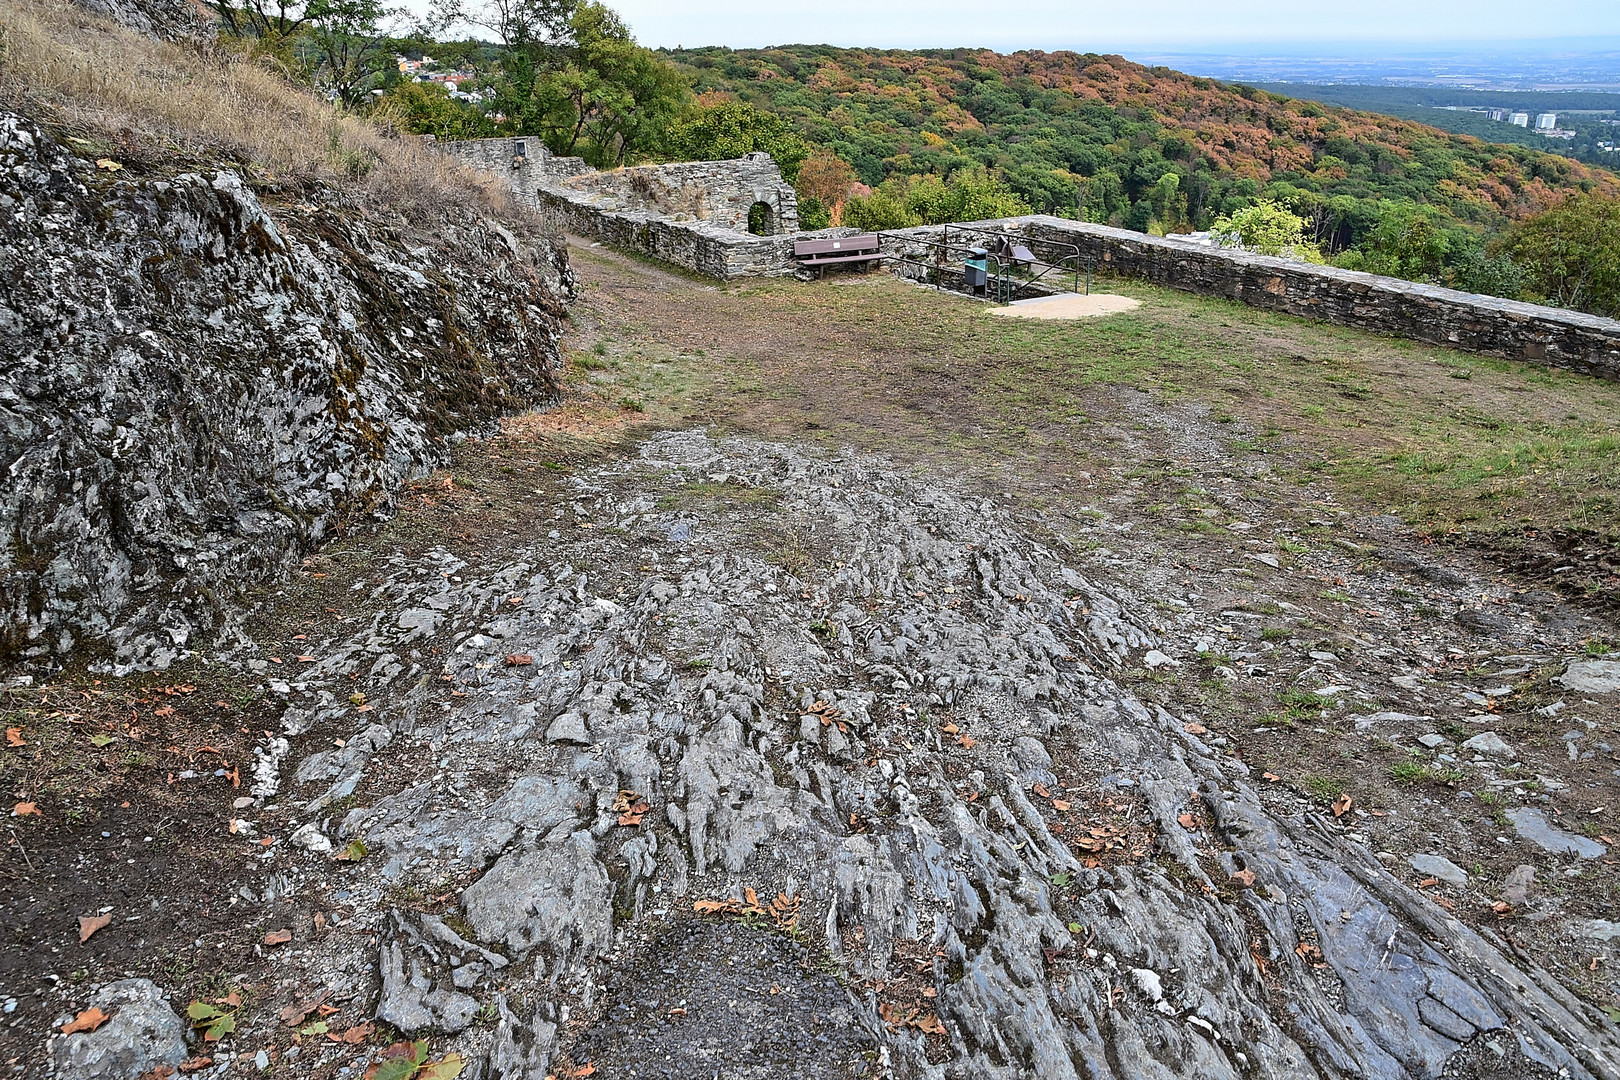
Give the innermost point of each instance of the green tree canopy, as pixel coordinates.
(731, 129)
(1570, 254)
(1266, 228)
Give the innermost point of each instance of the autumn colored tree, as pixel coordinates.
(825, 184)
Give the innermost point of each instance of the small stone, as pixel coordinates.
(1432, 740)
(1157, 659)
(1266, 560)
(143, 1035)
(569, 727)
(1488, 742)
(1437, 866)
(1532, 825)
(1516, 889)
(1323, 657)
(1591, 677)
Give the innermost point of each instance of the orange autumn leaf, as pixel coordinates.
(14, 737)
(88, 1020)
(1341, 804)
(1244, 877)
(89, 924)
(278, 937)
(25, 809)
(1187, 821)
(353, 1037)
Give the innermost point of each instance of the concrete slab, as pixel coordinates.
(1069, 306)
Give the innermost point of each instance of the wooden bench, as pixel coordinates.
(845, 249)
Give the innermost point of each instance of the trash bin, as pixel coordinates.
(976, 270)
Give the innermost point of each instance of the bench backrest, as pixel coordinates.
(842, 245)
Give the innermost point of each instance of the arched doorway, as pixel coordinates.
(762, 219)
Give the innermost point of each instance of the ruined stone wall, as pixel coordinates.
(717, 192)
(699, 246)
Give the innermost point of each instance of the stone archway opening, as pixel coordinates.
(762, 219)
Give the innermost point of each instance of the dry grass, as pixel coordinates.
(165, 100)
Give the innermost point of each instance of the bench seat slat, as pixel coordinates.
(866, 256)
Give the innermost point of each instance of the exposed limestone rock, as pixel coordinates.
(143, 1034)
(944, 837)
(200, 386)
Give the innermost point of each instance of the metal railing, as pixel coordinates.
(1056, 266)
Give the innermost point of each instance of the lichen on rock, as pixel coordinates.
(200, 385)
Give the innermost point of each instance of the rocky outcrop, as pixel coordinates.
(166, 20)
(856, 712)
(198, 386)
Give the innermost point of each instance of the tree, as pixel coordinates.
(428, 109)
(731, 129)
(595, 93)
(1266, 228)
(1570, 254)
(824, 186)
(350, 36)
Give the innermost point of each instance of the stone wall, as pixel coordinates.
(693, 214)
(715, 192)
(1472, 323)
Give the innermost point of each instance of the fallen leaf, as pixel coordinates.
(88, 1020)
(1060, 805)
(89, 924)
(677, 1011)
(929, 1024)
(519, 660)
(278, 937)
(353, 1037)
(1428, 883)
(1502, 907)
(751, 896)
(586, 1069)
(1193, 727)
(294, 1014)
(1040, 789)
(1244, 877)
(191, 1065)
(1187, 821)
(24, 809)
(1341, 804)
(1273, 777)
(14, 737)
(630, 819)
(354, 851)
(267, 841)
(951, 729)
(967, 741)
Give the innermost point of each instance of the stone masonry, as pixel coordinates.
(695, 215)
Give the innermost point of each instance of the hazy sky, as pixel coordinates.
(1094, 24)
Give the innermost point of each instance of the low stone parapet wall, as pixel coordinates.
(1470, 322)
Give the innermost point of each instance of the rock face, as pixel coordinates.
(143, 1034)
(897, 742)
(198, 387)
(1592, 677)
(166, 20)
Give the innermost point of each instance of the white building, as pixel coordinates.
(1519, 119)
(1547, 121)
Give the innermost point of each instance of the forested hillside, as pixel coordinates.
(1146, 148)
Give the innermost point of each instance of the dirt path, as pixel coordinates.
(846, 612)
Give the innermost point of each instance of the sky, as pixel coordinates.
(1094, 25)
